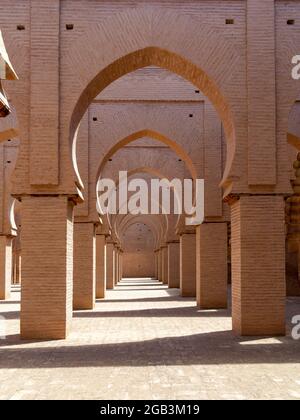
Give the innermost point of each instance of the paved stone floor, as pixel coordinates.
(146, 342)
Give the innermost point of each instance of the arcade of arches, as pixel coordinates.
(160, 89)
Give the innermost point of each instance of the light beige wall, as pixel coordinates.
(139, 245)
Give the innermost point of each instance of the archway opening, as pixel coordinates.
(138, 244)
(165, 59)
(169, 172)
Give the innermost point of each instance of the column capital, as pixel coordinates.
(186, 230)
(231, 198)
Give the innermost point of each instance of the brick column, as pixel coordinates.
(110, 266)
(5, 266)
(156, 263)
(211, 274)
(121, 265)
(174, 264)
(16, 260)
(84, 286)
(258, 265)
(44, 114)
(47, 267)
(159, 277)
(15, 267)
(262, 148)
(100, 266)
(116, 251)
(164, 257)
(188, 264)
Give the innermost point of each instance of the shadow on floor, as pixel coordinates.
(10, 314)
(171, 298)
(181, 312)
(200, 349)
(158, 299)
(210, 348)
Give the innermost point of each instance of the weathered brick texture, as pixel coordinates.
(174, 264)
(160, 265)
(212, 265)
(116, 266)
(188, 265)
(84, 281)
(110, 266)
(44, 77)
(47, 267)
(258, 265)
(100, 266)
(164, 264)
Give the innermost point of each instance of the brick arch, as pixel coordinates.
(151, 171)
(134, 223)
(154, 227)
(144, 58)
(156, 223)
(9, 126)
(145, 37)
(155, 136)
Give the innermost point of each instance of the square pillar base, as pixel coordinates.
(174, 265)
(100, 266)
(212, 268)
(164, 265)
(84, 287)
(258, 266)
(188, 265)
(47, 267)
(110, 266)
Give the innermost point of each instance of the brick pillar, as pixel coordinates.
(156, 263)
(84, 286)
(100, 266)
(212, 270)
(110, 266)
(18, 268)
(47, 267)
(164, 264)
(116, 251)
(14, 267)
(5, 266)
(174, 264)
(121, 265)
(188, 264)
(159, 277)
(258, 265)
(16, 260)
(118, 265)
